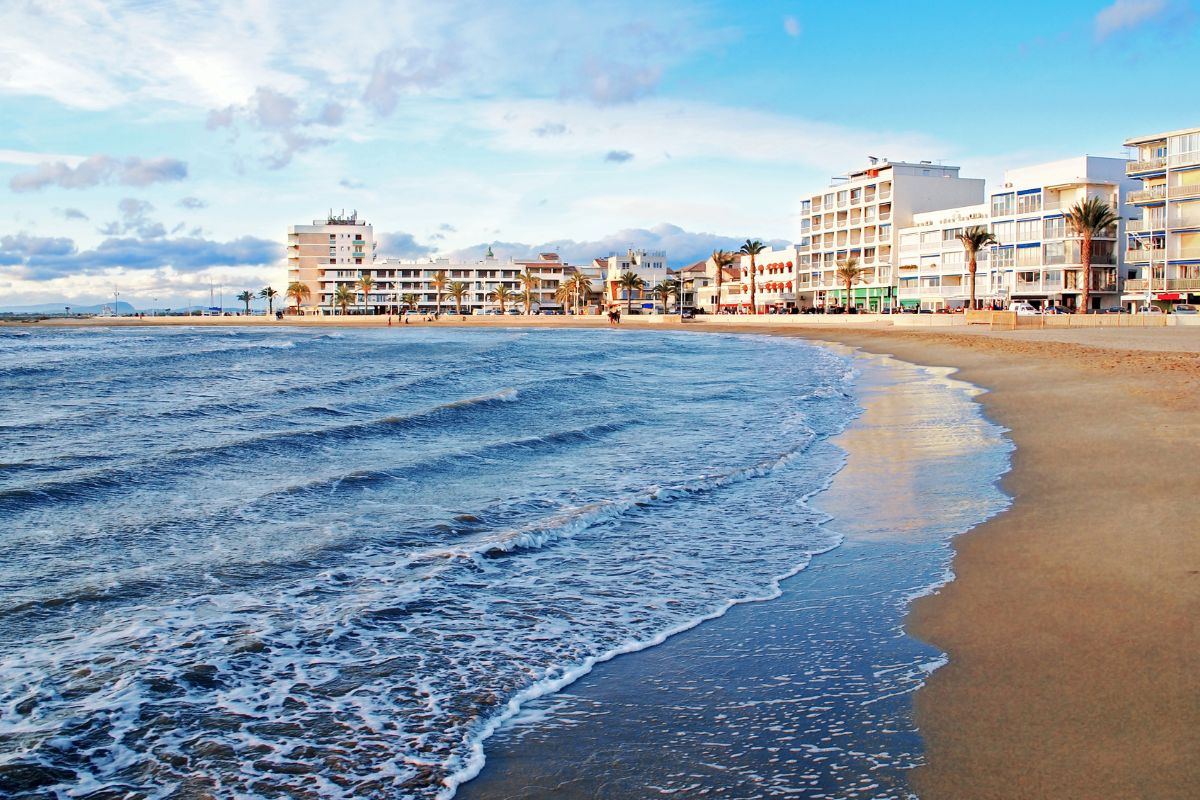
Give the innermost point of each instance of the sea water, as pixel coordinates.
(303, 563)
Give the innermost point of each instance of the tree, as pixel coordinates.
(664, 291)
(973, 240)
(582, 285)
(849, 273)
(439, 282)
(501, 294)
(457, 290)
(564, 293)
(630, 281)
(299, 292)
(752, 248)
(269, 295)
(409, 301)
(246, 297)
(722, 258)
(366, 284)
(1087, 219)
(343, 296)
(529, 282)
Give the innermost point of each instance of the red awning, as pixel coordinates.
(1168, 296)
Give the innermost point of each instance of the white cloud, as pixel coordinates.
(664, 129)
(26, 158)
(1126, 14)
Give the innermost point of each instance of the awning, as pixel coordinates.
(1168, 296)
(910, 303)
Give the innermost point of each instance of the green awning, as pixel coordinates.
(910, 303)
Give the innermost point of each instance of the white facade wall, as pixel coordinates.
(775, 278)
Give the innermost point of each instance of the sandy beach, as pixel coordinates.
(1071, 625)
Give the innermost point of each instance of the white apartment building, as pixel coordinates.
(1036, 258)
(1164, 239)
(932, 274)
(329, 247)
(649, 265)
(396, 279)
(860, 215)
(774, 279)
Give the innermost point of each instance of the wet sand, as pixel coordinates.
(1073, 624)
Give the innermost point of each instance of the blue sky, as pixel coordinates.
(158, 146)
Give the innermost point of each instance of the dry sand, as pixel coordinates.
(1073, 625)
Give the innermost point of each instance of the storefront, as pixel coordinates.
(865, 298)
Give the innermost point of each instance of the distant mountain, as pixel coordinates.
(60, 308)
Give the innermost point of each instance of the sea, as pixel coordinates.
(310, 563)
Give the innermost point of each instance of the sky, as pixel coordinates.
(158, 148)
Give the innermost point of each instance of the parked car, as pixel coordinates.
(1150, 310)
(1056, 310)
(1024, 310)
(1111, 310)
(1184, 308)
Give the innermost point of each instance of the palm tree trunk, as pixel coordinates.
(753, 306)
(1085, 258)
(971, 266)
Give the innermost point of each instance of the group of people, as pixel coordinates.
(614, 315)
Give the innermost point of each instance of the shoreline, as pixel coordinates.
(1074, 662)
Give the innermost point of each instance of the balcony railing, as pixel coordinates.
(1144, 225)
(885, 194)
(1148, 165)
(1159, 285)
(1141, 254)
(1148, 195)
(1180, 192)
(933, 291)
(1185, 159)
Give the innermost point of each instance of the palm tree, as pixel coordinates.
(850, 273)
(299, 292)
(582, 286)
(409, 301)
(457, 290)
(246, 297)
(1087, 219)
(629, 281)
(752, 248)
(439, 282)
(722, 258)
(366, 284)
(501, 294)
(664, 291)
(269, 295)
(529, 282)
(564, 293)
(527, 297)
(973, 240)
(343, 296)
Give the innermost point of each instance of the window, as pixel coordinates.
(1054, 228)
(931, 239)
(1029, 256)
(1003, 257)
(1185, 148)
(1029, 230)
(951, 234)
(1003, 231)
(1029, 203)
(1055, 253)
(954, 259)
(1002, 205)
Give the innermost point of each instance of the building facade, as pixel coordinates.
(859, 215)
(330, 251)
(649, 265)
(1163, 241)
(775, 278)
(1036, 258)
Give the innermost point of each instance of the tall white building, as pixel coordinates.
(933, 270)
(649, 265)
(859, 215)
(328, 252)
(1164, 239)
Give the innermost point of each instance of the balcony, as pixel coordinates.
(1144, 225)
(1134, 285)
(1141, 255)
(1185, 159)
(1147, 195)
(1149, 165)
(885, 216)
(885, 194)
(1181, 192)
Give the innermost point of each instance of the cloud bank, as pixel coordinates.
(100, 169)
